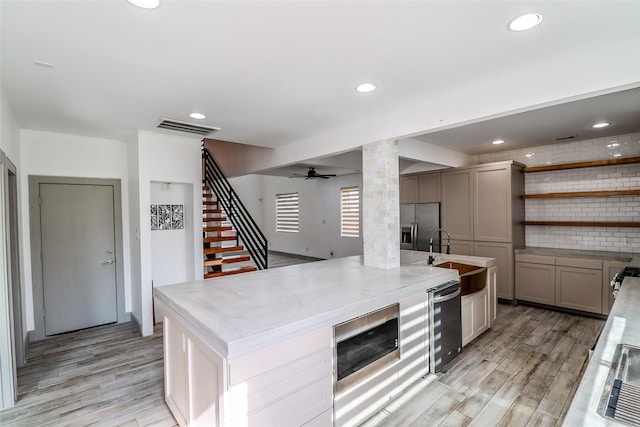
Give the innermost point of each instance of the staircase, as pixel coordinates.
(222, 253)
(232, 241)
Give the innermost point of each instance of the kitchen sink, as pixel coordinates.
(621, 395)
(472, 277)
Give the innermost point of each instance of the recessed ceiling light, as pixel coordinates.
(498, 142)
(529, 155)
(600, 125)
(197, 116)
(366, 87)
(525, 22)
(613, 145)
(616, 155)
(145, 4)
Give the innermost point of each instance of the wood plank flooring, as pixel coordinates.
(105, 376)
(523, 372)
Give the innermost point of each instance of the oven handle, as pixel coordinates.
(447, 297)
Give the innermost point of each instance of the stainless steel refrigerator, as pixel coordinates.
(417, 223)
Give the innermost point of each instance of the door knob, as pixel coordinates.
(109, 261)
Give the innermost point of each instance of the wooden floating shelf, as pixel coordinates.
(583, 223)
(583, 194)
(608, 162)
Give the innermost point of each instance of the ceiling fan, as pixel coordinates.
(312, 174)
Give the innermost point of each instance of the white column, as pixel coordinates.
(381, 204)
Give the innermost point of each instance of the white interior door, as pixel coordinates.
(78, 256)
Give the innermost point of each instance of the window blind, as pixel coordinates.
(287, 212)
(350, 212)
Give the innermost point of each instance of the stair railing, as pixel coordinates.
(248, 231)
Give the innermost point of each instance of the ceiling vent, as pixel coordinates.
(565, 138)
(179, 126)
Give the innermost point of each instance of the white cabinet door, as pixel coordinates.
(492, 289)
(475, 315)
(175, 373)
(467, 319)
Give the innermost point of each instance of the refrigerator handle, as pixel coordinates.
(414, 236)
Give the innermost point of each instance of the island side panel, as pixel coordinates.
(195, 375)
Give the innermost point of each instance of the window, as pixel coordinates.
(287, 212)
(350, 212)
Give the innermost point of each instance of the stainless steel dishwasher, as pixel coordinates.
(445, 325)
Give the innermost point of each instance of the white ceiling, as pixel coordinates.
(275, 74)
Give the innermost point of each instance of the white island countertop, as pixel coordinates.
(240, 314)
(622, 327)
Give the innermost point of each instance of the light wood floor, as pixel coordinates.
(105, 376)
(523, 372)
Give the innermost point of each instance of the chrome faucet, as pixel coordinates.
(431, 257)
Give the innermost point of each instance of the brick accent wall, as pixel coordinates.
(622, 177)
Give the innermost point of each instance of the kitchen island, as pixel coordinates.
(257, 349)
(622, 327)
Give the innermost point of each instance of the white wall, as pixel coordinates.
(249, 188)
(319, 203)
(621, 177)
(164, 158)
(9, 144)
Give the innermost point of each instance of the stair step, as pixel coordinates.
(210, 251)
(229, 272)
(206, 188)
(216, 219)
(211, 211)
(230, 260)
(218, 228)
(218, 239)
(210, 203)
(207, 195)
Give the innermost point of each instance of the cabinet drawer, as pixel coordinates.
(579, 263)
(536, 259)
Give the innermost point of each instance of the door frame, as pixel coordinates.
(36, 244)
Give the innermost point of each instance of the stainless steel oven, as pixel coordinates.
(365, 345)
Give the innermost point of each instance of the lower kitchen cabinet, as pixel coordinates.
(579, 288)
(503, 253)
(290, 383)
(536, 282)
(573, 283)
(475, 315)
(193, 375)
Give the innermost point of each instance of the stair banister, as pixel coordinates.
(248, 230)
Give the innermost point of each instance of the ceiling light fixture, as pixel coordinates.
(613, 145)
(525, 22)
(366, 87)
(600, 125)
(145, 4)
(529, 155)
(498, 142)
(197, 116)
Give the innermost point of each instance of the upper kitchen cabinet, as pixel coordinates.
(429, 187)
(409, 189)
(484, 203)
(457, 203)
(420, 188)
